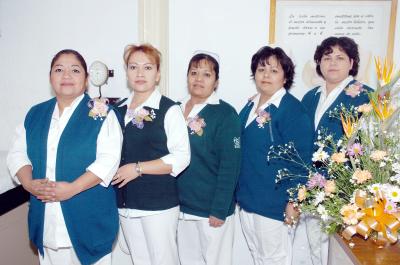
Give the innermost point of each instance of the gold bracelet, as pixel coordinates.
(138, 169)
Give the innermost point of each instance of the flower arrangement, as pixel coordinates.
(356, 187)
(262, 118)
(196, 125)
(98, 108)
(138, 117)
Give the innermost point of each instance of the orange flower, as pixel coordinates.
(361, 176)
(349, 124)
(382, 108)
(330, 187)
(302, 193)
(339, 157)
(350, 214)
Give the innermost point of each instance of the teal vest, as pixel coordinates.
(148, 192)
(91, 216)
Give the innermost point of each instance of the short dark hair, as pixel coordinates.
(196, 59)
(77, 55)
(346, 44)
(262, 56)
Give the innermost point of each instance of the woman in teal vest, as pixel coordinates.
(65, 156)
(155, 150)
(206, 187)
(337, 60)
(273, 117)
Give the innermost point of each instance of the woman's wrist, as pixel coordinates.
(138, 169)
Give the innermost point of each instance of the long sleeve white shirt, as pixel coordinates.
(177, 143)
(108, 154)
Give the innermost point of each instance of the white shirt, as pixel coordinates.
(325, 101)
(108, 154)
(275, 100)
(213, 99)
(177, 143)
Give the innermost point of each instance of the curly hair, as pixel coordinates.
(262, 56)
(345, 44)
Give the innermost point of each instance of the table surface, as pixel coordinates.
(366, 252)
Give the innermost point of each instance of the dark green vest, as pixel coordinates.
(91, 216)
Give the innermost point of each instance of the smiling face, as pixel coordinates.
(269, 77)
(335, 66)
(68, 77)
(201, 80)
(142, 73)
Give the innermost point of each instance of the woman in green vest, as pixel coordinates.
(65, 155)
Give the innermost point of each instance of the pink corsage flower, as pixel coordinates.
(355, 149)
(262, 118)
(98, 108)
(354, 89)
(138, 117)
(196, 125)
(317, 180)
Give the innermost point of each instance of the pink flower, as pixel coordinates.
(354, 90)
(98, 108)
(138, 117)
(262, 118)
(142, 113)
(196, 125)
(355, 149)
(316, 181)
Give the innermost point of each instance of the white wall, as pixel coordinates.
(32, 31)
(234, 29)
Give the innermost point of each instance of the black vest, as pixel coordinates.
(148, 192)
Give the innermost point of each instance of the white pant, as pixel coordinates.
(311, 245)
(201, 244)
(152, 239)
(267, 239)
(64, 256)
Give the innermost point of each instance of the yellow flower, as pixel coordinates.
(378, 155)
(302, 193)
(350, 214)
(383, 72)
(383, 108)
(349, 125)
(339, 157)
(330, 187)
(365, 108)
(361, 176)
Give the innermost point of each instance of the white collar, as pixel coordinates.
(152, 102)
(341, 86)
(70, 108)
(213, 99)
(274, 100)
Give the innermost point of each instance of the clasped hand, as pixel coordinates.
(51, 191)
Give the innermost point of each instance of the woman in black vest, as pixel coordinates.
(155, 150)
